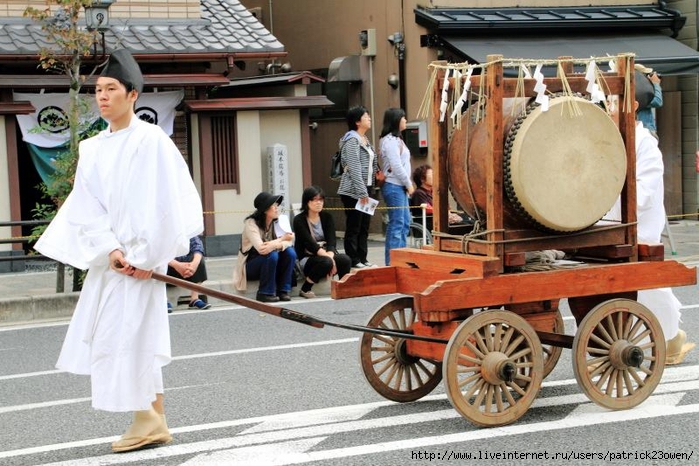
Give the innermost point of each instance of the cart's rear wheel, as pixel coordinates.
(493, 368)
(619, 354)
(387, 366)
(553, 353)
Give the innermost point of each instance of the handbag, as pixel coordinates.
(380, 178)
(380, 175)
(336, 168)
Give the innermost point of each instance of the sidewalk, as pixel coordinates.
(31, 296)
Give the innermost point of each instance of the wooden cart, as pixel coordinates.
(502, 330)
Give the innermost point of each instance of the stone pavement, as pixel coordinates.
(31, 296)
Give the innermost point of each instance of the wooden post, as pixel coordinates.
(440, 156)
(627, 128)
(60, 277)
(494, 170)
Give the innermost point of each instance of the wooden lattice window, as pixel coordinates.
(223, 151)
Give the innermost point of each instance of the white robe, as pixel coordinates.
(133, 192)
(650, 213)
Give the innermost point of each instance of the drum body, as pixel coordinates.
(562, 171)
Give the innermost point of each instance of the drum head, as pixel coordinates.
(563, 171)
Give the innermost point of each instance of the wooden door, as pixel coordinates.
(669, 122)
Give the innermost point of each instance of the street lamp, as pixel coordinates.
(97, 19)
(97, 15)
(397, 41)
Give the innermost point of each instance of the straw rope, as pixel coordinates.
(459, 70)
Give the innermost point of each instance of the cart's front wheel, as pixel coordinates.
(387, 366)
(619, 354)
(493, 368)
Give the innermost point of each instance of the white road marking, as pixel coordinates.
(329, 421)
(45, 404)
(10, 327)
(228, 448)
(257, 455)
(654, 407)
(50, 404)
(207, 355)
(29, 374)
(265, 348)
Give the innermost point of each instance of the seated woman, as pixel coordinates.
(264, 256)
(316, 242)
(191, 268)
(422, 177)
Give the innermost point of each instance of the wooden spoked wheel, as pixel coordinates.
(493, 368)
(553, 353)
(387, 366)
(619, 354)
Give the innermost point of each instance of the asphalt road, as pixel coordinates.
(249, 388)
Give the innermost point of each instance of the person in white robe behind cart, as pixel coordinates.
(133, 208)
(651, 218)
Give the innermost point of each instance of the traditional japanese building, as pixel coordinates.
(192, 54)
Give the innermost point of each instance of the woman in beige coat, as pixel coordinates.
(264, 256)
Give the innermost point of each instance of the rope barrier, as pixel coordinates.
(30, 238)
(472, 237)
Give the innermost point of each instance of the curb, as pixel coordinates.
(36, 308)
(23, 309)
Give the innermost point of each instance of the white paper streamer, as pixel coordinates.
(464, 95)
(595, 91)
(445, 97)
(590, 76)
(540, 89)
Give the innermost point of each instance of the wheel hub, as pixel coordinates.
(633, 355)
(401, 353)
(497, 368)
(623, 355)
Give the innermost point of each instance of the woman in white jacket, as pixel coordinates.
(395, 163)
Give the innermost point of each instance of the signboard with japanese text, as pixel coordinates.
(278, 173)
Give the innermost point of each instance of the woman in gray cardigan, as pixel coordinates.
(360, 166)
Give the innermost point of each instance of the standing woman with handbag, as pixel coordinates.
(395, 161)
(361, 164)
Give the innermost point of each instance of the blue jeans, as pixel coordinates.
(399, 217)
(273, 270)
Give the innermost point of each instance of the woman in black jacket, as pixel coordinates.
(316, 244)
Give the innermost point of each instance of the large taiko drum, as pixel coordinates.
(562, 170)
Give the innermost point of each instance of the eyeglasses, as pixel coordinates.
(318, 199)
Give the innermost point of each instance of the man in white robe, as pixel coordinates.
(651, 218)
(133, 208)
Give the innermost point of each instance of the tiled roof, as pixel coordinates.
(495, 20)
(225, 26)
(296, 77)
